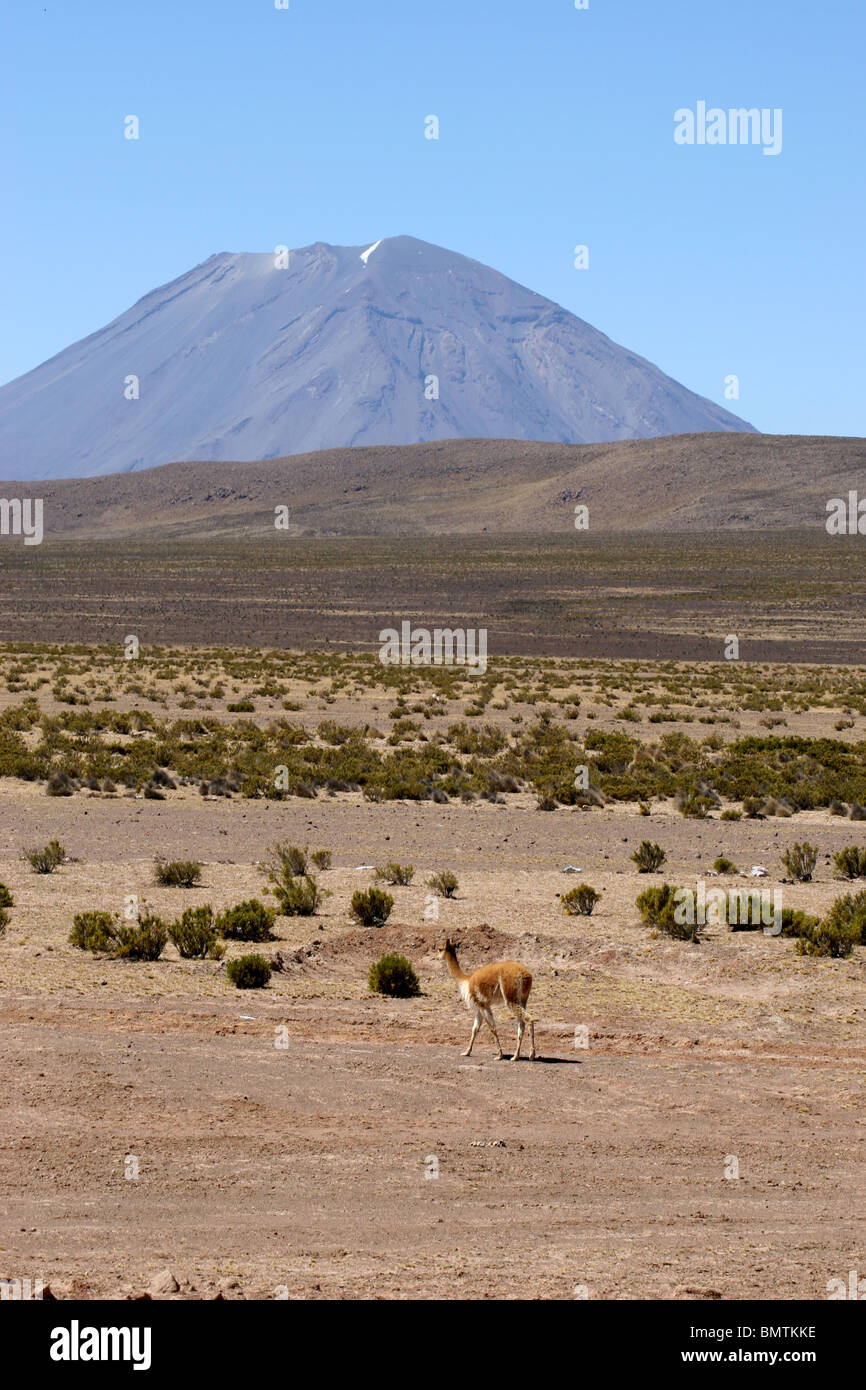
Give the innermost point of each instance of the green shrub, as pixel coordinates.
(336, 734)
(696, 806)
(731, 814)
(393, 974)
(752, 807)
(649, 857)
(93, 931)
(249, 972)
(680, 930)
(141, 940)
(652, 902)
(800, 861)
(195, 934)
(6, 899)
(849, 912)
(247, 921)
(45, 861)
(78, 747)
(797, 923)
(291, 863)
(105, 931)
(851, 862)
(581, 899)
(724, 866)
(300, 897)
(322, 859)
(444, 883)
(372, 907)
(177, 873)
(658, 908)
(296, 891)
(828, 938)
(399, 875)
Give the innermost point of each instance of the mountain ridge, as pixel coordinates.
(699, 482)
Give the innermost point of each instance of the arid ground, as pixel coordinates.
(317, 1140)
(788, 596)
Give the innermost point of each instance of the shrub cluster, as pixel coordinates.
(77, 749)
(444, 883)
(46, 860)
(300, 897)
(107, 933)
(581, 899)
(398, 875)
(393, 974)
(724, 866)
(850, 862)
(658, 909)
(177, 873)
(649, 857)
(371, 907)
(296, 890)
(196, 935)
(291, 861)
(800, 861)
(843, 928)
(249, 972)
(247, 921)
(141, 940)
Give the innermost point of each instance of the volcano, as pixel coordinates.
(252, 356)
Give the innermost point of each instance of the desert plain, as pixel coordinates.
(693, 1125)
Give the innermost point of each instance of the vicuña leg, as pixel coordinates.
(522, 1019)
(491, 1024)
(476, 1024)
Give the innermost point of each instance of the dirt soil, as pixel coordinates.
(312, 1141)
(578, 595)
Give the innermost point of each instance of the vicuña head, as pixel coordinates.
(505, 981)
(447, 948)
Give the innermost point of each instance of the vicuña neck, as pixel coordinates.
(454, 966)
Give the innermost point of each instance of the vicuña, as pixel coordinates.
(505, 980)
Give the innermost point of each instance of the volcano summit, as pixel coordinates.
(257, 356)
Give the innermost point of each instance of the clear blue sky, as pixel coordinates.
(261, 126)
